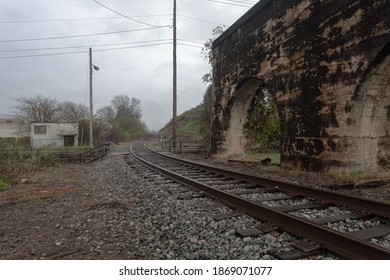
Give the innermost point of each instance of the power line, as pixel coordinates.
(78, 19)
(84, 46)
(133, 47)
(191, 41)
(233, 4)
(118, 13)
(58, 20)
(97, 45)
(77, 36)
(189, 45)
(103, 18)
(245, 1)
(79, 52)
(198, 19)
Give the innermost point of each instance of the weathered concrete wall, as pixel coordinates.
(326, 62)
(53, 134)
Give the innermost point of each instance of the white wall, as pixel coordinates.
(54, 134)
(10, 127)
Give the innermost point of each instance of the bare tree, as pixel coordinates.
(72, 112)
(36, 109)
(106, 114)
(124, 106)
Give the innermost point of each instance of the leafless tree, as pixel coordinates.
(106, 114)
(72, 112)
(36, 109)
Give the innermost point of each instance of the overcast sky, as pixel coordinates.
(140, 72)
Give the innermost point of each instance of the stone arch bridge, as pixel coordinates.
(326, 63)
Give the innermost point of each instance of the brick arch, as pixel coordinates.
(322, 60)
(236, 116)
(368, 121)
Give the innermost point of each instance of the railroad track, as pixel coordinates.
(278, 204)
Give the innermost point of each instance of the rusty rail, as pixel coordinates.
(364, 204)
(340, 243)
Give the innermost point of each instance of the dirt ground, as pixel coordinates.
(36, 215)
(59, 213)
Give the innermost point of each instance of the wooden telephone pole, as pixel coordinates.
(90, 100)
(174, 136)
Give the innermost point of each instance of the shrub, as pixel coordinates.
(384, 162)
(3, 186)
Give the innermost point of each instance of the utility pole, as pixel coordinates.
(174, 136)
(90, 100)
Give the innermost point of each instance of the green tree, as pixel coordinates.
(122, 119)
(207, 53)
(206, 114)
(264, 125)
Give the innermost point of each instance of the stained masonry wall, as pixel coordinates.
(327, 64)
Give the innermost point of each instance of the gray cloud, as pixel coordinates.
(144, 73)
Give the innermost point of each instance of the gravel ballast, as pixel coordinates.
(169, 228)
(113, 210)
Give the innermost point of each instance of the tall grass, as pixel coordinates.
(12, 168)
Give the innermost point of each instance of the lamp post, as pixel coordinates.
(91, 67)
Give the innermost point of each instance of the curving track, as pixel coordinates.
(253, 195)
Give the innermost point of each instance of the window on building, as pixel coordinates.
(40, 129)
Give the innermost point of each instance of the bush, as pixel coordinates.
(12, 167)
(384, 162)
(3, 186)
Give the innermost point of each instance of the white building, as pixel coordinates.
(54, 135)
(10, 127)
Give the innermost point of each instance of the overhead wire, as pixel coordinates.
(79, 52)
(76, 19)
(188, 45)
(155, 42)
(233, 4)
(104, 18)
(245, 1)
(103, 50)
(198, 19)
(82, 46)
(132, 19)
(78, 36)
(57, 20)
(96, 45)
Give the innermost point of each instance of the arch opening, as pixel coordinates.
(263, 127)
(253, 131)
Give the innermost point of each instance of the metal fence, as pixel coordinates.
(185, 146)
(74, 154)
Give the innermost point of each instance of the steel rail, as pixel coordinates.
(332, 240)
(380, 208)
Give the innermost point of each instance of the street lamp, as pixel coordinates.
(91, 67)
